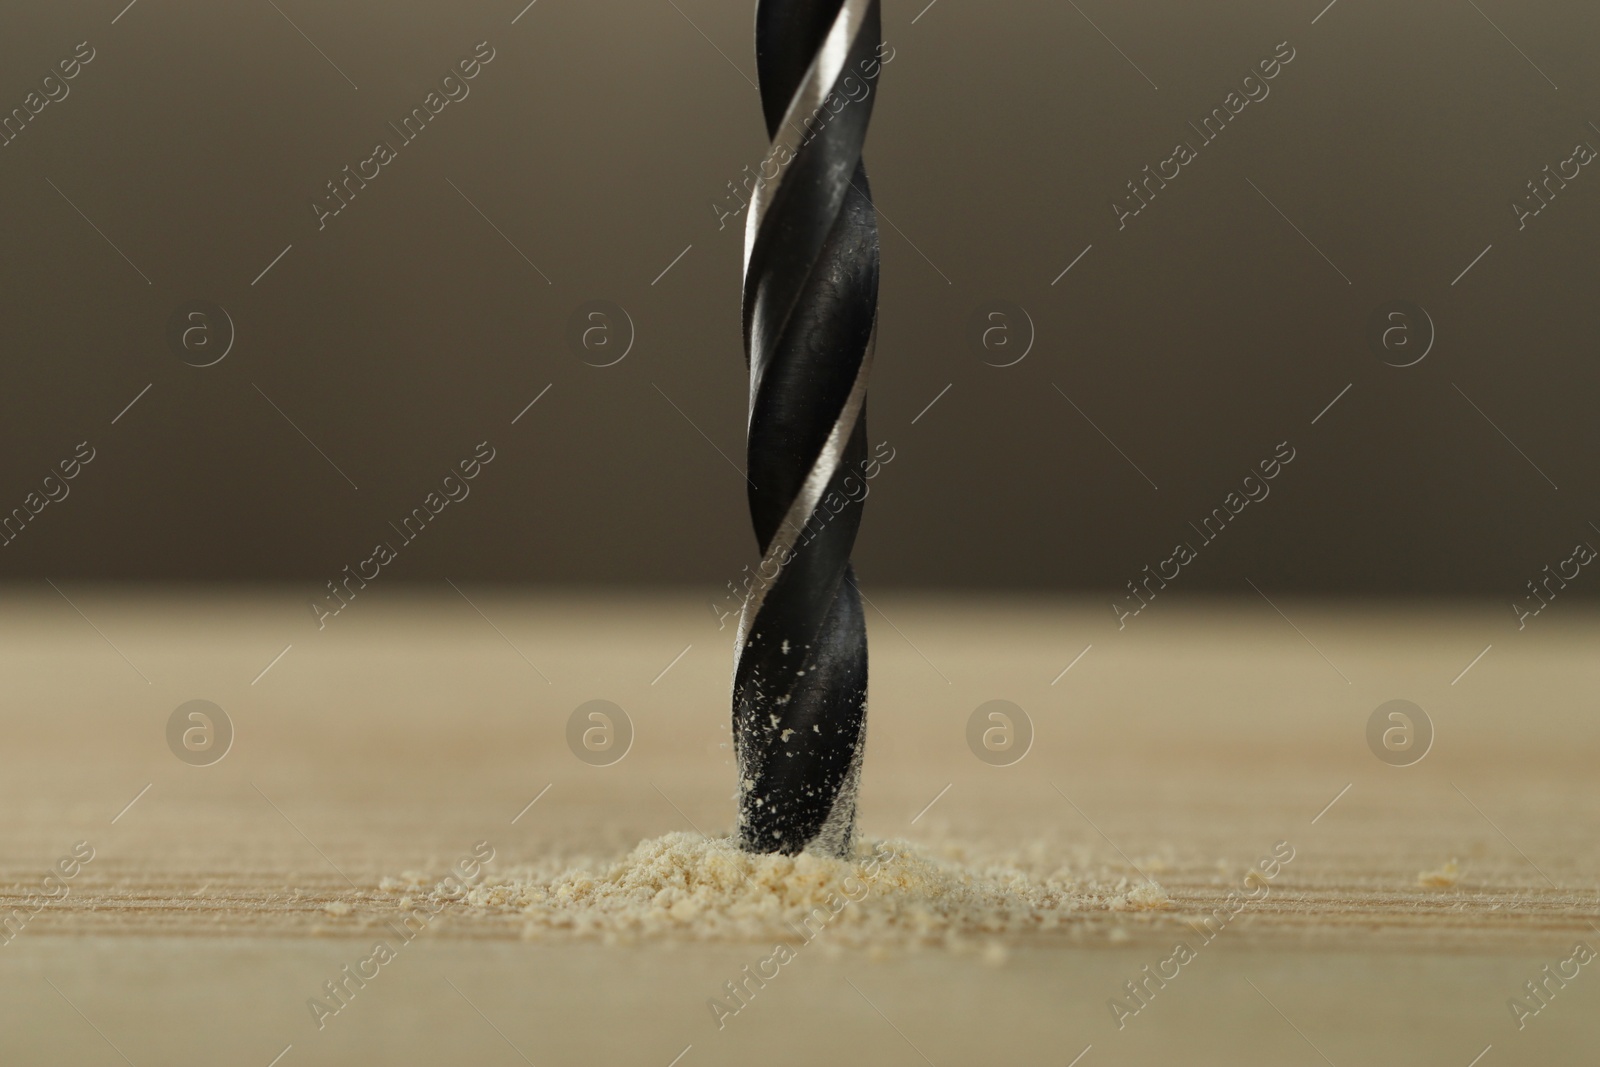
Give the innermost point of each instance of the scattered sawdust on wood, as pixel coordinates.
(684, 886)
(1445, 877)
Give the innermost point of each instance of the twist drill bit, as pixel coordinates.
(810, 321)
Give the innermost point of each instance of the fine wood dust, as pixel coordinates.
(683, 886)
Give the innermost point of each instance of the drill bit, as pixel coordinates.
(810, 321)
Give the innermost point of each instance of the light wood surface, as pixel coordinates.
(1184, 746)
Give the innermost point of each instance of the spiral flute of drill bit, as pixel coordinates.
(810, 322)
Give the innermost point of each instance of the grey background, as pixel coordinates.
(1195, 339)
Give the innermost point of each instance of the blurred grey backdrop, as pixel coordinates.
(374, 349)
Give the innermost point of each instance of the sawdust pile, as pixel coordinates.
(683, 886)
